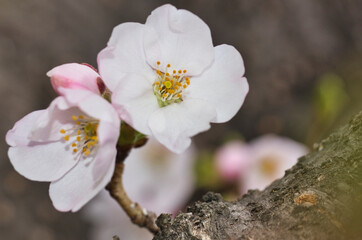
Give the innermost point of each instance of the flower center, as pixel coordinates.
(169, 85)
(268, 166)
(83, 136)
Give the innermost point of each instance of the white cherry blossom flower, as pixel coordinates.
(270, 157)
(167, 78)
(71, 144)
(158, 179)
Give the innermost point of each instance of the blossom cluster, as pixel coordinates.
(164, 78)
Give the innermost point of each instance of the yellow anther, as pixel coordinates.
(167, 74)
(164, 95)
(187, 79)
(66, 137)
(158, 62)
(78, 138)
(185, 71)
(176, 87)
(168, 65)
(89, 144)
(78, 132)
(86, 153)
(81, 117)
(95, 138)
(184, 86)
(167, 79)
(74, 118)
(167, 84)
(62, 131)
(179, 95)
(157, 83)
(158, 72)
(75, 150)
(78, 123)
(174, 71)
(86, 137)
(74, 145)
(179, 71)
(84, 149)
(160, 88)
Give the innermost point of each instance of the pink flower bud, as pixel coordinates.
(75, 76)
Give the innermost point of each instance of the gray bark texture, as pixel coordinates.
(319, 198)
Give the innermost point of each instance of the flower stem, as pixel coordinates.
(135, 212)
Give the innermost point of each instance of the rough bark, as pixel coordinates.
(319, 198)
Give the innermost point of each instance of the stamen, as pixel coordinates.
(85, 132)
(169, 85)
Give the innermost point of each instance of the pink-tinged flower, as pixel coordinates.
(167, 78)
(270, 157)
(233, 160)
(71, 144)
(158, 179)
(75, 76)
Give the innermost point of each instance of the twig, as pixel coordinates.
(136, 213)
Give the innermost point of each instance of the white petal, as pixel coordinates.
(174, 124)
(135, 102)
(78, 186)
(184, 39)
(107, 139)
(222, 85)
(91, 104)
(56, 117)
(159, 179)
(18, 135)
(42, 161)
(124, 54)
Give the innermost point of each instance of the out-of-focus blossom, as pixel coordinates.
(232, 160)
(71, 144)
(167, 78)
(158, 179)
(270, 157)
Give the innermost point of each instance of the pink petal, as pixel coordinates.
(232, 160)
(74, 76)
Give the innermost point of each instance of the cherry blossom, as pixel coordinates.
(72, 143)
(270, 157)
(232, 160)
(167, 78)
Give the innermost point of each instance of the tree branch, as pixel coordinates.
(136, 213)
(319, 198)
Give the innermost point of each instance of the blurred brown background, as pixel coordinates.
(287, 47)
